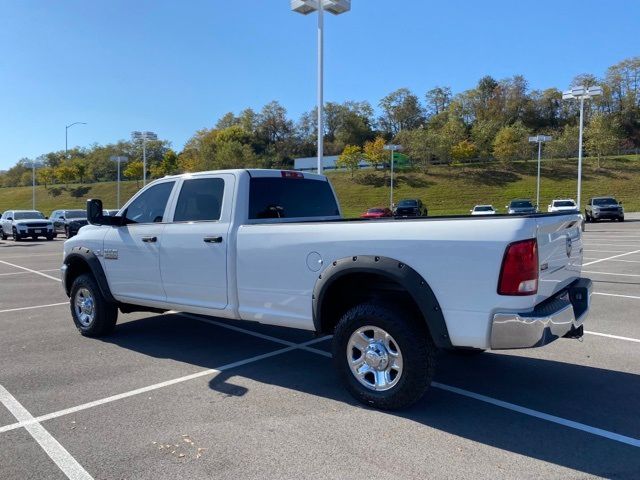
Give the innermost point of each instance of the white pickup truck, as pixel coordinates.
(271, 246)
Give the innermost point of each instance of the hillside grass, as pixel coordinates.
(444, 189)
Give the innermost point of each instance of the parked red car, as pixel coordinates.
(377, 212)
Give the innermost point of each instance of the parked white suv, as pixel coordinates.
(270, 246)
(562, 205)
(21, 224)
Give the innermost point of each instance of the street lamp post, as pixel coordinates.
(392, 148)
(539, 139)
(66, 136)
(581, 93)
(144, 136)
(305, 7)
(118, 159)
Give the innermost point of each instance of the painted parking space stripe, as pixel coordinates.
(616, 337)
(156, 386)
(30, 270)
(634, 442)
(609, 258)
(34, 307)
(56, 452)
(616, 295)
(24, 273)
(609, 273)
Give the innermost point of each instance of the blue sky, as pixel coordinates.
(176, 66)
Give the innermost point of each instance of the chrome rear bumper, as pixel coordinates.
(557, 317)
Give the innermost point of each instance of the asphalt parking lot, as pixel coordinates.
(175, 396)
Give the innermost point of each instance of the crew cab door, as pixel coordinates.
(131, 252)
(193, 253)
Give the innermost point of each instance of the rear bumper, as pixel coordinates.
(562, 315)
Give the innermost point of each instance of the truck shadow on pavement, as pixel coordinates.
(600, 398)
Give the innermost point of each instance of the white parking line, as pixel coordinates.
(602, 251)
(614, 260)
(609, 258)
(616, 295)
(62, 458)
(617, 337)
(30, 270)
(541, 415)
(58, 254)
(608, 273)
(31, 308)
(589, 244)
(157, 386)
(24, 273)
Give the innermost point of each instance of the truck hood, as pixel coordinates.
(31, 220)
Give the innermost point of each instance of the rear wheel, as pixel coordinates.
(92, 314)
(384, 356)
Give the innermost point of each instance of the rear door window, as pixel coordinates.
(200, 200)
(275, 197)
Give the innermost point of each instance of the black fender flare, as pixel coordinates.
(412, 281)
(89, 258)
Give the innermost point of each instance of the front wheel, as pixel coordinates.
(384, 355)
(16, 236)
(3, 235)
(621, 219)
(92, 314)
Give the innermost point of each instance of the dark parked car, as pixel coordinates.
(521, 206)
(410, 208)
(378, 212)
(68, 221)
(603, 207)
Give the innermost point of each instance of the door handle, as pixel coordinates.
(212, 239)
(149, 239)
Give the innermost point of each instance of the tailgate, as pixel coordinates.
(559, 252)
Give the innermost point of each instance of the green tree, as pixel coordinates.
(565, 145)
(168, 165)
(464, 150)
(374, 152)
(511, 143)
(401, 110)
(45, 176)
(80, 165)
(350, 158)
(66, 173)
(134, 170)
(233, 154)
(602, 136)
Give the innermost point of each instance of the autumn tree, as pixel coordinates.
(401, 110)
(350, 158)
(134, 170)
(374, 152)
(602, 136)
(45, 176)
(66, 173)
(511, 143)
(464, 150)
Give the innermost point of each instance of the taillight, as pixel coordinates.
(519, 273)
(290, 174)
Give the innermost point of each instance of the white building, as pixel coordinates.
(328, 163)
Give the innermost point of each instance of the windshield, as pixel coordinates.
(27, 215)
(75, 214)
(407, 203)
(521, 204)
(484, 208)
(604, 201)
(564, 203)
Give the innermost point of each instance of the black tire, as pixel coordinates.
(621, 219)
(50, 237)
(105, 314)
(414, 342)
(3, 235)
(66, 231)
(16, 237)
(587, 218)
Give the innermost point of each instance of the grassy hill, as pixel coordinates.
(444, 189)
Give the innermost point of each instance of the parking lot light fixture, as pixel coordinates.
(66, 135)
(581, 93)
(144, 137)
(335, 7)
(392, 148)
(539, 139)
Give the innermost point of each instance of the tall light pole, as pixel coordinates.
(66, 135)
(581, 93)
(144, 136)
(34, 164)
(118, 159)
(539, 139)
(393, 149)
(305, 7)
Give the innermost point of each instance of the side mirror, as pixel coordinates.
(94, 211)
(61, 218)
(10, 218)
(620, 203)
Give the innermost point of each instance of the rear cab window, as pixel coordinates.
(297, 197)
(200, 200)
